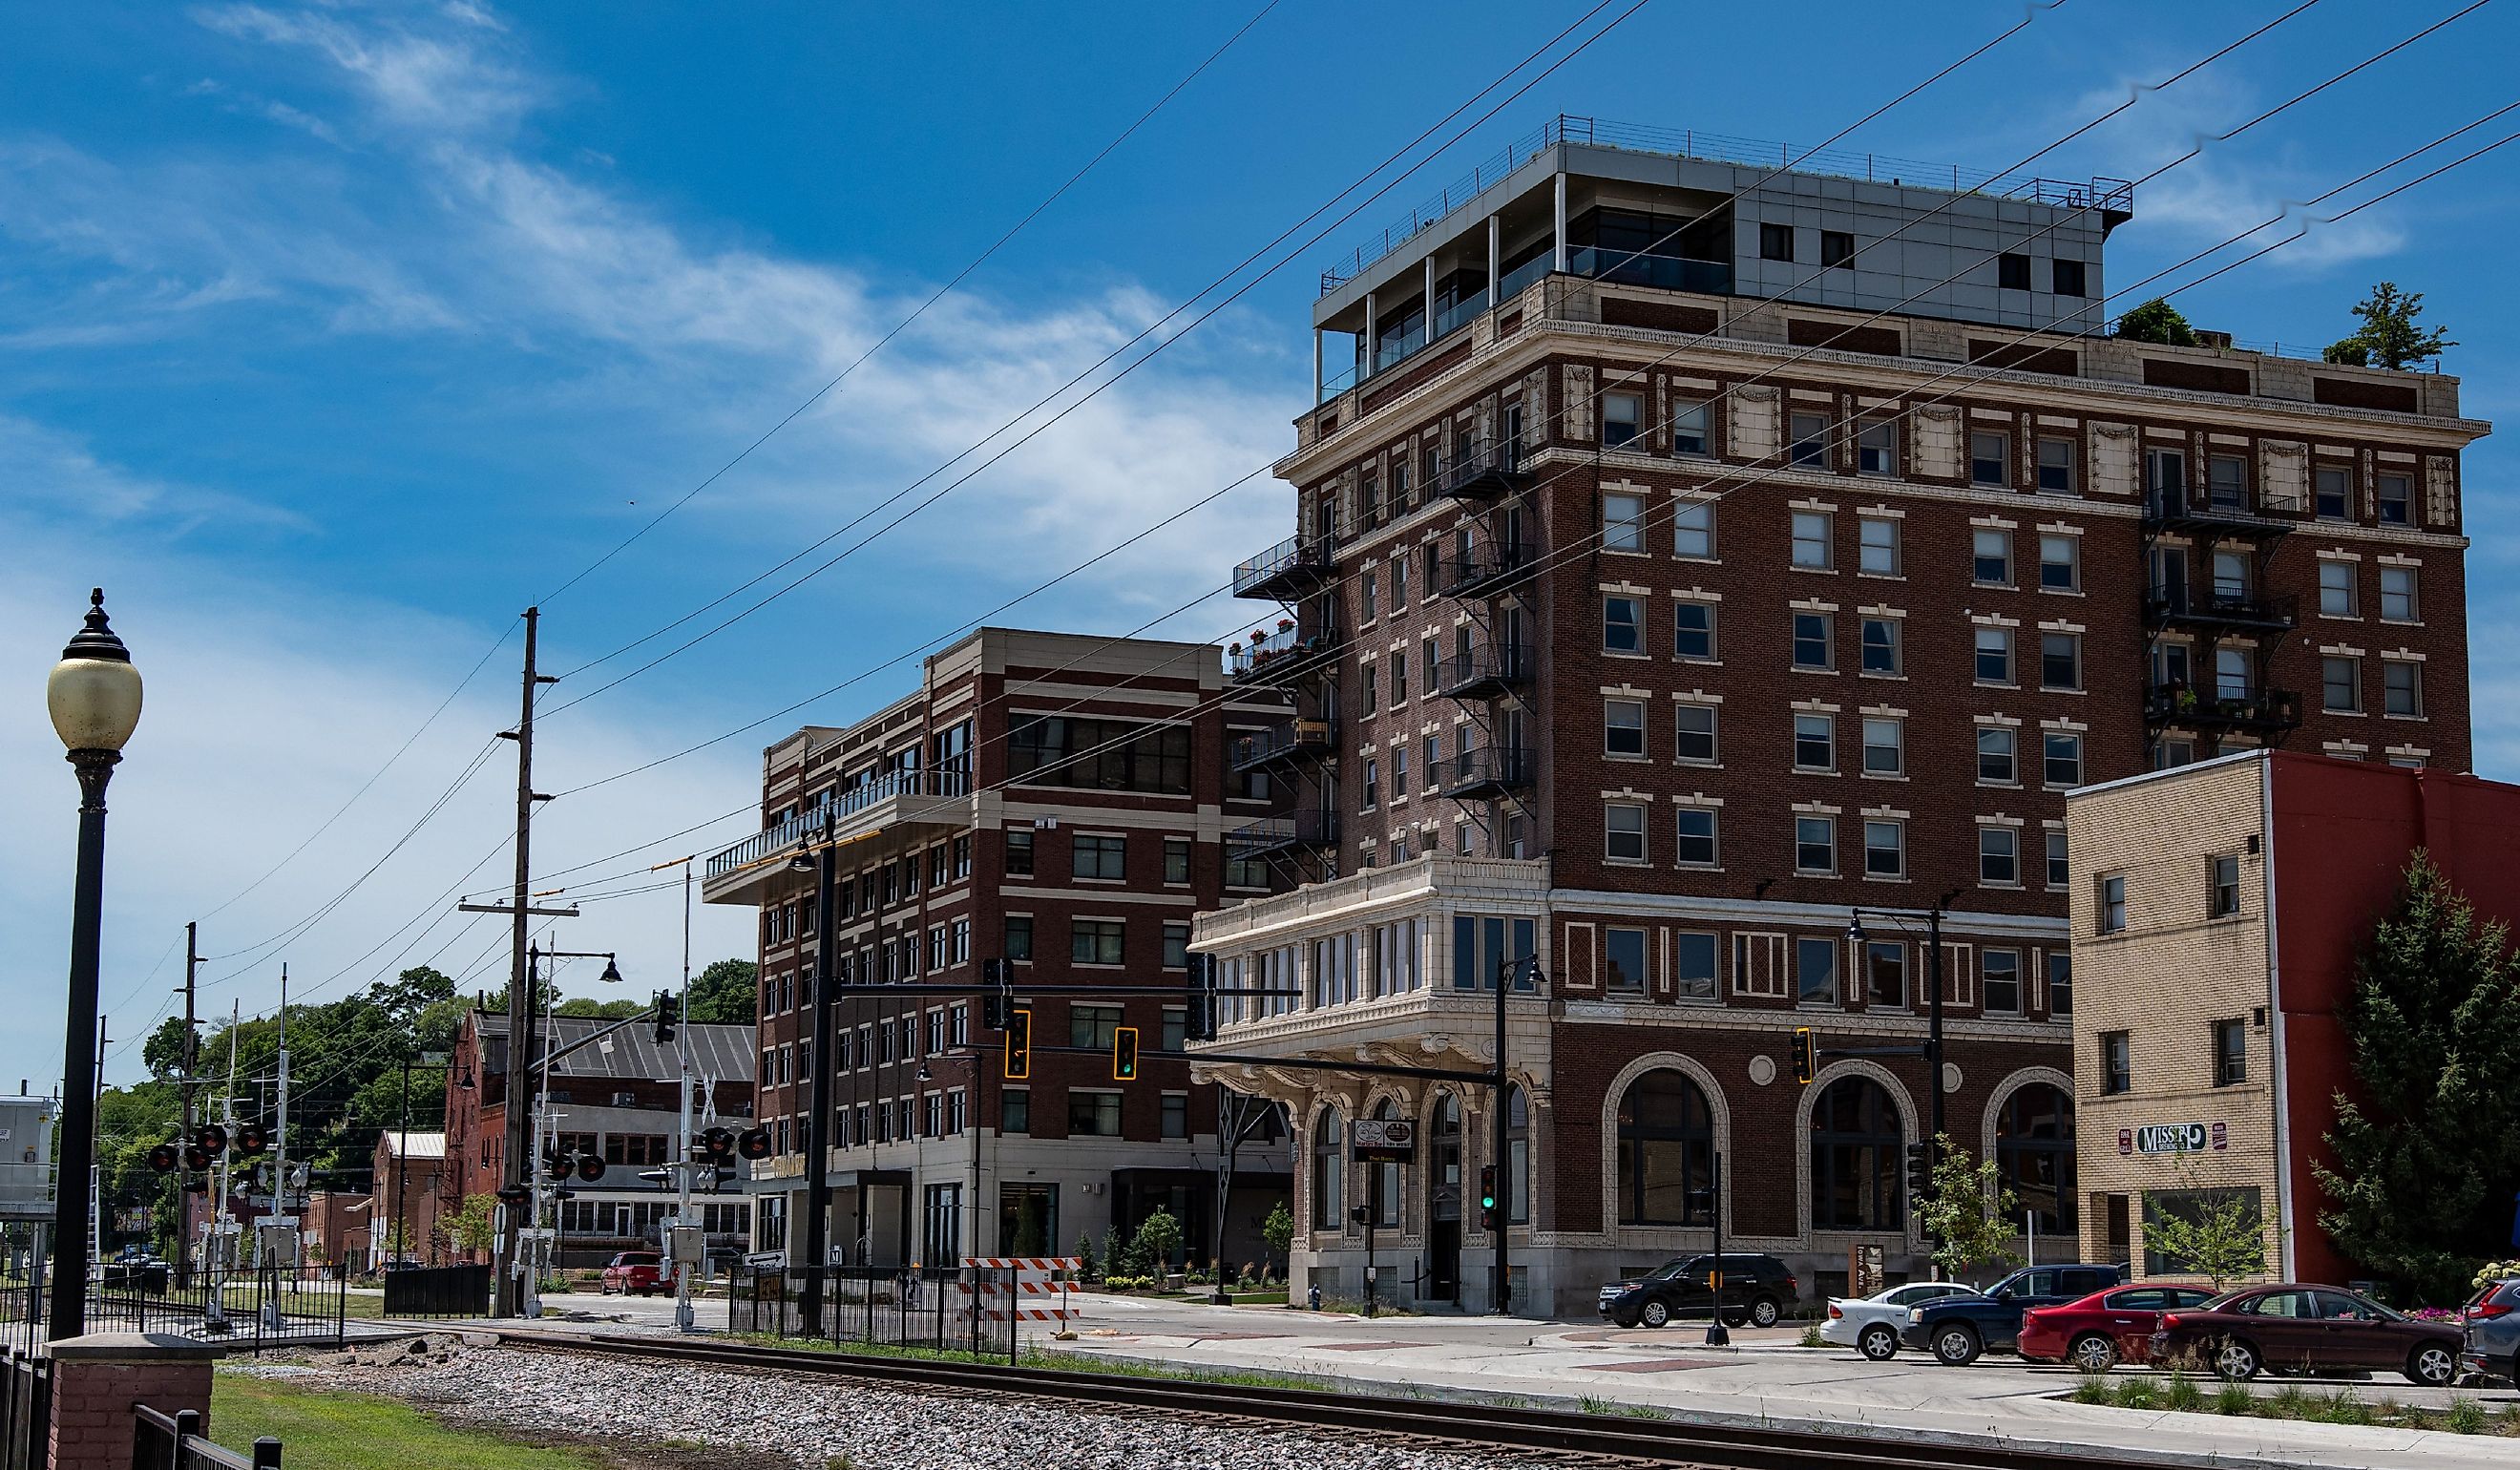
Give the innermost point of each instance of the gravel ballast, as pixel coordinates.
(822, 1424)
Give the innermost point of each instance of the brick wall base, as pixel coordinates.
(98, 1378)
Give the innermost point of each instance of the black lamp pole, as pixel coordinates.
(1933, 1051)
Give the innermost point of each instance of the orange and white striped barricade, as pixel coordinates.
(1041, 1291)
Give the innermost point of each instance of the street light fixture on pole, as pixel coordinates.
(94, 696)
(1933, 1051)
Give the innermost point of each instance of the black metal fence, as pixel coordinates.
(25, 1410)
(175, 1442)
(970, 1310)
(438, 1291)
(249, 1310)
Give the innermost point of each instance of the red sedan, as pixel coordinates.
(2105, 1328)
(637, 1273)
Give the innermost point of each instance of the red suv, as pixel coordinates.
(637, 1273)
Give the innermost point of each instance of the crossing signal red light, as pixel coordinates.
(589, 1168)
(196, 1157)
(754, 1143)
(1806, 1056)
(718, 1142)
(515, 1194)
(163, 1158)
(251, 1141)
(1019, 1055)
(1124, 1055)
(212, 1139)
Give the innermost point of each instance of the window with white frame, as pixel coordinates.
(2057, 467)
(1693, 630)
(1813, 539)
(1885, 745)
(2063, 757)
(2336, 590)
(1999, 982)
(2402, 686)
(1623, 621)
(1994, 654)
(1815, 743)
(1998, 755)
(1877, 545)
(1991, 556)
(2060, 563)
(2341, 684)
(1623, 729)
(1876, 448)
(1885, 848)
(2061, 661)
(1881, 652)
(1693, 732)
(1999, 857)
(1811, 641)
(1623, 828)
(1816, 971)
(2396, 494)
(1990, 459)
(1623, 522)
(2058, 873)
(1693, 529)
(2398, 595)
(1697, 846)
(1689, 430)
(1622, 413)
(1810, 447)
(1815, 845)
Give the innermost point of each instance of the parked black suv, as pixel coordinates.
(1956, 1329)
(1756, 1289)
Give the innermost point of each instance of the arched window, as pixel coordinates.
(1444, 1175)
(1330, 1181)
(2034, 1153)
(1857, 1145)
(1385, 1186)
(1666, 1151)
(1518, 1156)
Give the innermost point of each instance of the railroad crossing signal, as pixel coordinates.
(1124, 1055)
(1806, 1056)
(1019, 1057)
(1489, 1215)
(1920, 1171)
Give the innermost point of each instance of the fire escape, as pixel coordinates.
(2210, 626)
(1300, 656)
(1492, 663)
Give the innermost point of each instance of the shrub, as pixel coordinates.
(2290, 1402)
(2465, 1415)
(2182, 1395)
(2093, 1389)
(1811, 1338)
(2342, 1408)
(2138, 1393)
(2233, 1398)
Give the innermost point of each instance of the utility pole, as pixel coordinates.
(684, 1161)
(518, 1125)
(818, 1128)
(191, 1060)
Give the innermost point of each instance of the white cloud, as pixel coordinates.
(56, 475)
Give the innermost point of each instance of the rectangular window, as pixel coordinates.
(2001, 982)
(1368, 684)
(1432, 771)
(1176, 945)
(2060, 984)
(1881, 646)
(1809, 440)
(2397, 497)
(1623, 728)
(2060, 563)
(2057, 870)
(2402, 686)
(1991, 556)
(1811, 641)
(1623, 950)
(1816, 971)
(1688, 428)
(1693, 732)
(1837, 248)
(1994, 656)
(1815, 845)
(1093, 1025)
(1014, 1110)
(2341, 685)
(1095, 941)
(1622, 626)
(1367, 596)
(1694, 530)
(2057, 467)
(1885, 974)
(1999, 857)
(1811, 539)
(2398, 595)
(1398, 772)
(2226, 482)
(2117, 1063)
(1697, 847)
(2012, 271)
(1775, 242)
(1373, 785)
(1693, 630)
(1886, 849)
(1877, 545)
(1623, 827)
(1876, 449)
(1093, 1115)
(1176, 1115)
(2225, 901)
(1019, 936)
(1621, 414)
(2333, 484)
(2065, 277)
(1693, 964)
(1176, 860)
(2061, 661)
(1399, 676)
(2336, 590)
(1019, 852)
(1623, 522)
(2113, 903)
(1990, 459)
(1997, 751)
(2230, 1054)
(1101, 857)
(1885, 752)
(2062, 758)
(1815, 743)
(1105, 755)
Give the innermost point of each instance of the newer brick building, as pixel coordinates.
(1658, 628)
(1053, 799)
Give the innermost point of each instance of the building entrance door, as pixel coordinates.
(1444, 1203)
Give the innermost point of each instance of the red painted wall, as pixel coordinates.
(2343, 833)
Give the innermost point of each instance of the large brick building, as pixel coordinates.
(1758, 550)
(1053, 799)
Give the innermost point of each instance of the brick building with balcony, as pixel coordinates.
(1760, 551)
(1055, 800)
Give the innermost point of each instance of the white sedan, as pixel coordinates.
(1870, 1324)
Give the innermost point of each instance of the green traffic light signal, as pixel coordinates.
(1124, 1055)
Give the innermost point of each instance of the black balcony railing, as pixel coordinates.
(1282, 834)
(1483, 472)
(1484, 673)
(1282, 658)
(2168, 608)
(1638, 268)
(1291, 569)
(1287, 744)
(2257, 710)
(837, 808)
(1487, 771)
(1490, 569)
(2176, 510)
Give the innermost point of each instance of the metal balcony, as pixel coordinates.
(1287, 570)
(901, 800)
(1484, 673)
(2210, 610)
(1284, 657)
(1275, 835)
(1295, 744)
(2262, 712)
(1484, 474)
(2185, 510)
(1490, 570)
(1487, 771)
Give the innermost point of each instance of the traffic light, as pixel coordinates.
(1359, 1213)
(754, 1143)
(1199, 1024)
(163, 1158)
(1019, 1059)
(995, 1007)
(1921, 1172)
(669, 1014)
(1124, 1055)
(1806, 1056)
(1489, 1214)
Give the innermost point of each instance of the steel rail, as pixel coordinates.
(1667, 1442)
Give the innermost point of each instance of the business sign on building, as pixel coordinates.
(2173, 1138)
(1383, 1141)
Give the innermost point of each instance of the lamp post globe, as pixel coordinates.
(94, 699)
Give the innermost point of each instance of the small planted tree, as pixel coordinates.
(1278, 1233)
(2389, 336)
(1115, 1260)
(1967, 1213)
(2156, 321)
(472, 1228)
(1089, 1266)
(1159, 1239)
(2219, 1234)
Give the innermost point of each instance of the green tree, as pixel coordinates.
(1157, 1241)
(2429, 1155)
(1278, 1233)
(1967, 1213)
(472, 1228)
(2389, 336)
(726, 993)
(588, 1007)
(2216, 1234)
(2156, 321)
(1089, 1266)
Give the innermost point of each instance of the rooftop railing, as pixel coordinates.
(838, 808)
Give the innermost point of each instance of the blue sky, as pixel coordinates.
(332, 335)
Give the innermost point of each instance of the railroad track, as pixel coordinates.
(1599, 1439)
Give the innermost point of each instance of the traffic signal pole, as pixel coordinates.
(818, 1127)
(1501, 1294)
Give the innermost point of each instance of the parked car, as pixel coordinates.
(1756, 1289)
(636, 1274)
(1956, 1329)
(1870, 1324)
(2491, 1327)
(2299, 1328)
(2105, 1328)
